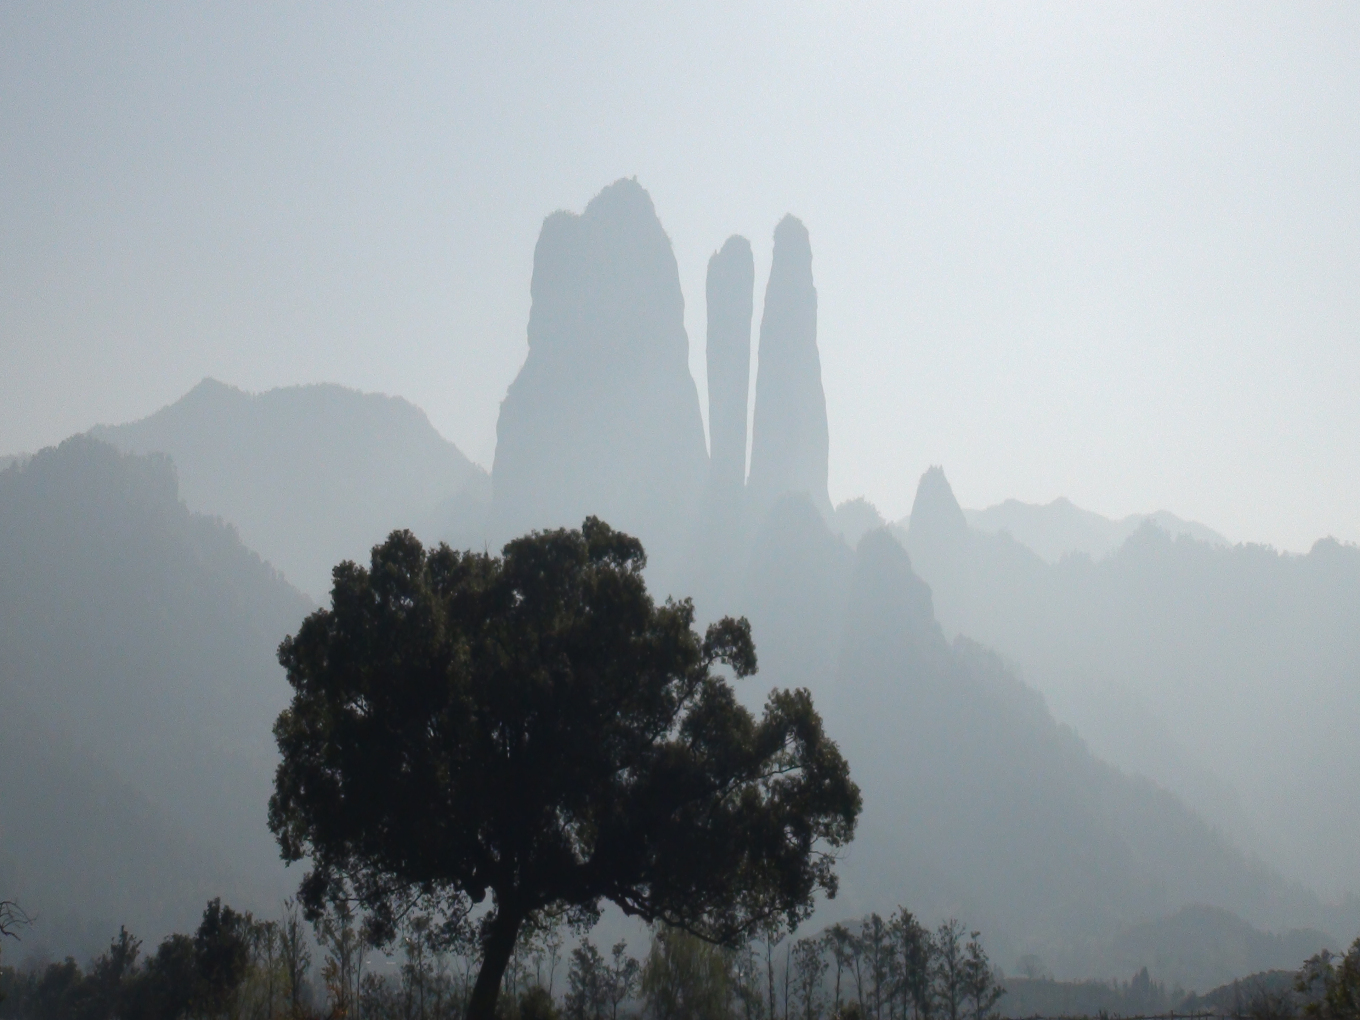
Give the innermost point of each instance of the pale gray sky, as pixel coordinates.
(1107, 252)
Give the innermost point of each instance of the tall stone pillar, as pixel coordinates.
(731, 282)
(789, 435)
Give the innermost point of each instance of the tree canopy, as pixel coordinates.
(534, 726)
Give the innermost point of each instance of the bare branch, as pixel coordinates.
(12, 918)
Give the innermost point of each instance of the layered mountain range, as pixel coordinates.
(977, 802)
(309, 475)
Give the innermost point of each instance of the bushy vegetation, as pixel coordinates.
(235, 967)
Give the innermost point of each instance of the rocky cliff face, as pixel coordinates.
(604, 416)
(731, 280)
(789, 440)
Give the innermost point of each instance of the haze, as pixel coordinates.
(996, 365)
(1105, 253)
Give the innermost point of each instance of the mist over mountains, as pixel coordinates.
(142, 633)
(1184, 661)
(137, 646)
(1058, 529)
(310, 475)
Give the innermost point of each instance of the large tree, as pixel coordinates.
(534, 726)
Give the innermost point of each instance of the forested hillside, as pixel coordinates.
(137, 655)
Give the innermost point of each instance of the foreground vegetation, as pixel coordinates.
(235, 967)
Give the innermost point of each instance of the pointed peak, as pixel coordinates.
(936, 512)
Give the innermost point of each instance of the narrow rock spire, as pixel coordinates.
(789, 435)
(731, 282)
(936, 517)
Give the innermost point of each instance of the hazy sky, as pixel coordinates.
(1105, 252)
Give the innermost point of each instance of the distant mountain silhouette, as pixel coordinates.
(137, 638)
(1059, 528)
(1202, 947)
(789, 438)
(1246, 660)
(312, 475)
(855, 518)
(603, 417)
(977, 803)
(137, 655)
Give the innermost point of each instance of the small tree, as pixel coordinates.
(876, 948)
(748, 980)
(267, 966)
(106, 991)
(772, 936)
(840, 941)
(343, 968)
(1330, 985)
(588, 984)
(949, 972)
(916, 962)
(535, 727)
(550, 946)
(686, 978)
(222, 955)
(296, 955)
(980, 984)
(810, 965)
(624, 974)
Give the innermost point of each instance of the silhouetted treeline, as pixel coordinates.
(232, 966)
(237, 967)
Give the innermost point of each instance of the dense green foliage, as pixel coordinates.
(535, 727)
(1330, 985)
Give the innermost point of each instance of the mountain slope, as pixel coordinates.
(312, 475)
(977, 803)
(85, 852)
(141, 637)
(1243, 660)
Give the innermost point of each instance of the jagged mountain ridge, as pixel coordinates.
(977, 803)
(312, 475)
(1202, 647)
(1058, 529)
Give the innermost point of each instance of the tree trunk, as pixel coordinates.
(500, 943)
